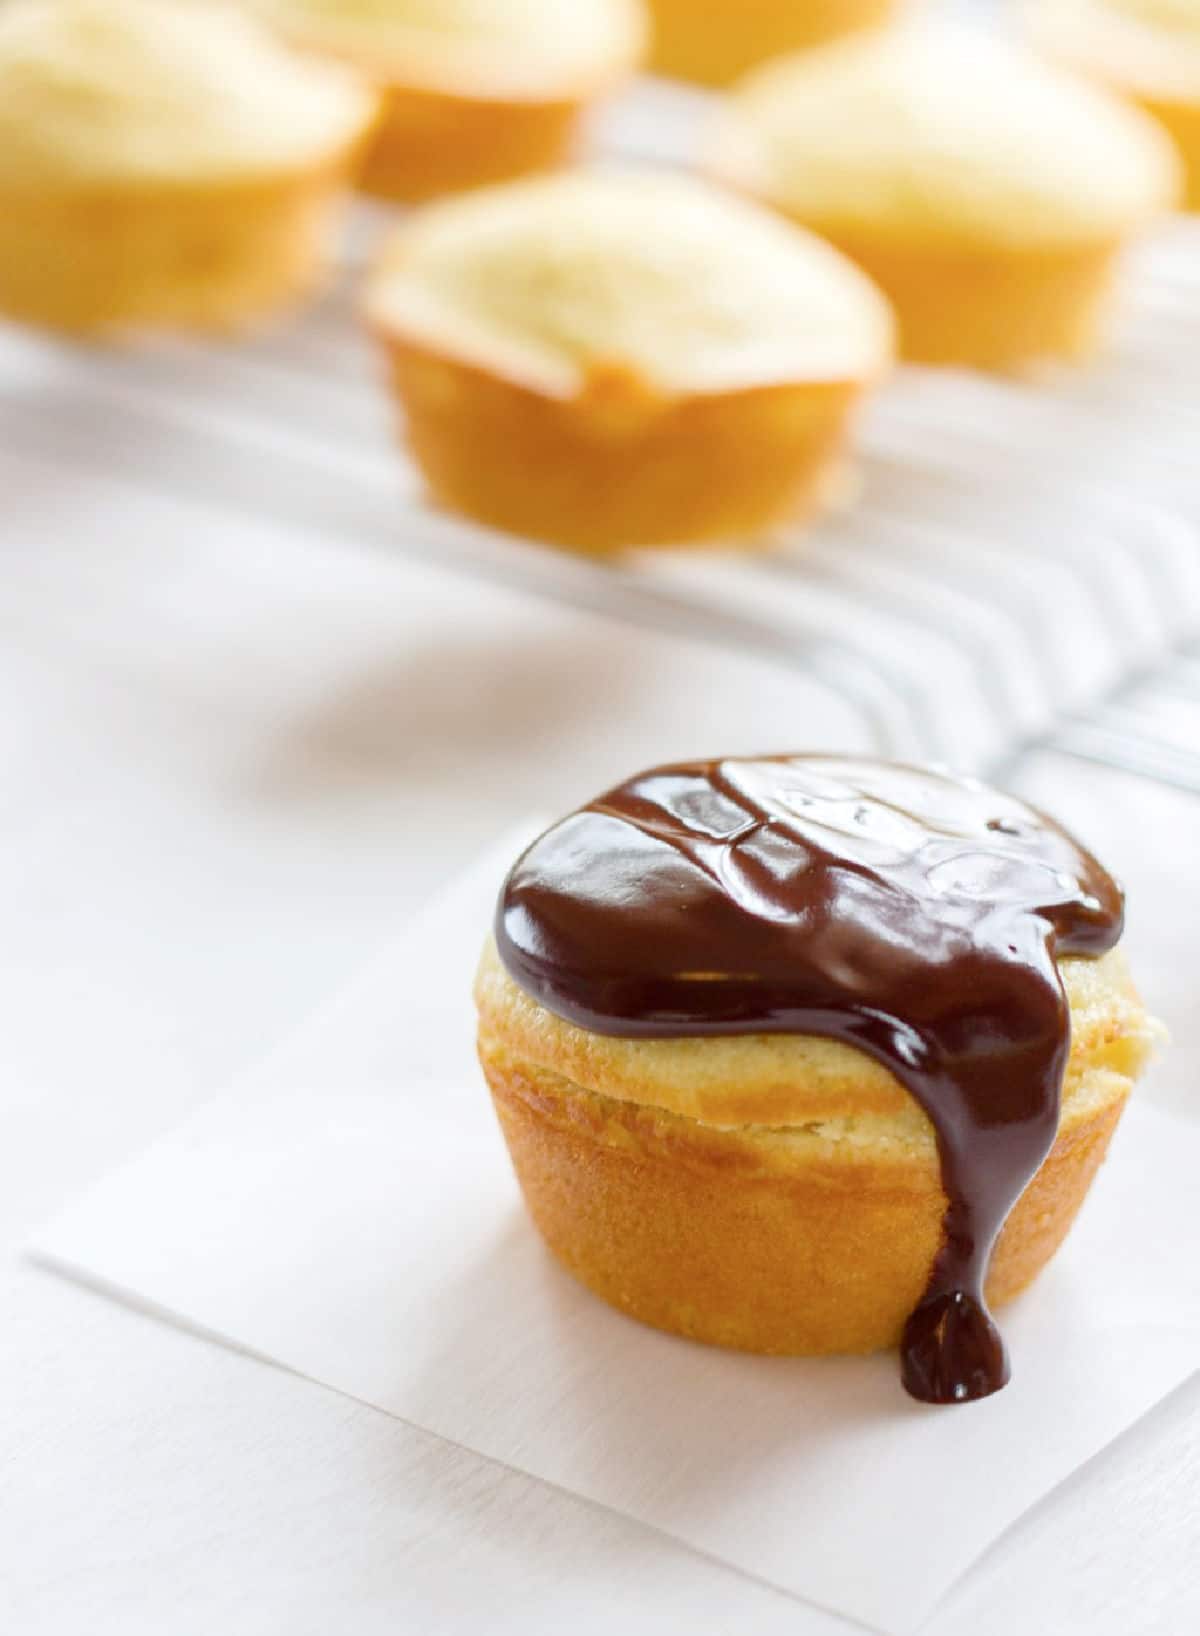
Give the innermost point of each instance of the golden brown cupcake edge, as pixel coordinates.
(212, 259)
(713, 43)
(622, 464)
(807, 1237)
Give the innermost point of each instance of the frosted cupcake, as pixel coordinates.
(474, 91)
(988, 194)
(163, 163)
(624, 357)
(810, 1054)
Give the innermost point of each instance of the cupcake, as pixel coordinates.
(713, 41)
(474, 91)
(987, 194)
(1147, 50)
(810, 1054)
(620, 358)
(163, 164)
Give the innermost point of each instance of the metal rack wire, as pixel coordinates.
(1021, 566)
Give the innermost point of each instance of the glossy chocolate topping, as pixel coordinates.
(909, 913)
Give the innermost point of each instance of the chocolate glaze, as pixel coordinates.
(907, 912)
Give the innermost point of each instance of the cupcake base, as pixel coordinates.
(990, 309)
(429, 143)
(716, 44)
(208, 258)
(620, 465)
(762, 1240)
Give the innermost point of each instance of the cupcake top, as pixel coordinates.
(1147, 45)
(502, 47)
(912, 915)
(94, 92)
(944, 136)
(649, 276)
(755, 895)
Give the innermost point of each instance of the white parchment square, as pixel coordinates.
(348, 1211)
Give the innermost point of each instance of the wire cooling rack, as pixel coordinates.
(1020, 567)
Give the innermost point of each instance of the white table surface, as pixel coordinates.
(232, 763)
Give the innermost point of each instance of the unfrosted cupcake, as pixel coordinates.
(615, 358)
(163, 163)
(713, 41)
(1148, 50)
(474, 91)
(988, 194)
(810, 1054)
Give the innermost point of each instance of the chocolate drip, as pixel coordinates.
(910, 913)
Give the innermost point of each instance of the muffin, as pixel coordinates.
(474, 91)
(1147, 50)
(810, 1054)
(988, 194)
(713, 41)
(163, 164)
(620, 358)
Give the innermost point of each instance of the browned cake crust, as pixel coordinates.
(430, 142)
(616, 466)
(714, 41)
(203, 257)
(812, 1235)
(991, 308)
